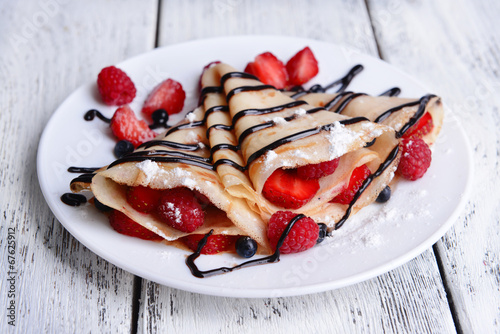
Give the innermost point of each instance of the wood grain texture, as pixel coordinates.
(453, 46)
(410, 299)
(49, 48)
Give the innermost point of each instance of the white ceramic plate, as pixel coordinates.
(376, 240)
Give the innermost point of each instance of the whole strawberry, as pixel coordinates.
(216, 243)
(124, 225)
(179, 208)
(302, 236)
(415, 159)
(115, 87)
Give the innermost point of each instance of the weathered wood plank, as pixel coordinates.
(408, 299)
(454, 46)
(49, 48)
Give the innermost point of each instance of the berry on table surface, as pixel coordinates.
(115, 86)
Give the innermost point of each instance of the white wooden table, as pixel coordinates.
(50, 47)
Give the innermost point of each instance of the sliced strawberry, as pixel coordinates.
(358, 176)
(215, 243)
(143, 199)
(423, 127)
(285, 189)
(302, 67)
(269, 69)
(124, 225)
(250, 68)
(168, 95)
(125, 126)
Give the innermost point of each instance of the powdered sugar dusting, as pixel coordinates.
(300, 112)
(149, 168)
(340, 139)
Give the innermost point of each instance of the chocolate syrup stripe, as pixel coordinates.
(390, 158)
(275, 257)
(248, 112)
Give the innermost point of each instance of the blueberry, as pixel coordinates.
(384, 195)
(322, 233)
(246, 247)
(123, 147)
(101, 207)
(160, 118)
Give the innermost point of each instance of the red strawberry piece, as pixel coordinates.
(143, 199)
(285, 189)
(216, 243)
(302, 236)
(168, 95)
(124, 225)
(415, 159)
(125, 126)
(358, 176)
(250, 68)
(115, 87)
(302, 67)
(179, 208)
(423, 127)
(269, 69)
(316, 171)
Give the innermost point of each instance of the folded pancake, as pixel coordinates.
(255, 130)
(398, 113)
(178, 158)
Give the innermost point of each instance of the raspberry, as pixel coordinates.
(358, 176)
(124, 225)
(316, 171)
(215, 243)
(302, 236)
(179, 209)
(143, 199)
(416, 158)
(115, 87)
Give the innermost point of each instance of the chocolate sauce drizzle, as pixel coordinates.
(275, 257)
(73, 199)
(392, 92)
(92, 113)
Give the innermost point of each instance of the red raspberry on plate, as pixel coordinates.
(302, 236)
(168, 95)
(124, 225)
(285, 189)
(302, 67)
(269, 69)
(421, 128)
(125, 126)
(316, 171)
(143, 199)
(358, 176)
(180, 209)
(415, 159)
(115, 87)
(216, 243)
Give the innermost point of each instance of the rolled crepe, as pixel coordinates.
(178, 158)
(398, 113)
(255, 129)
